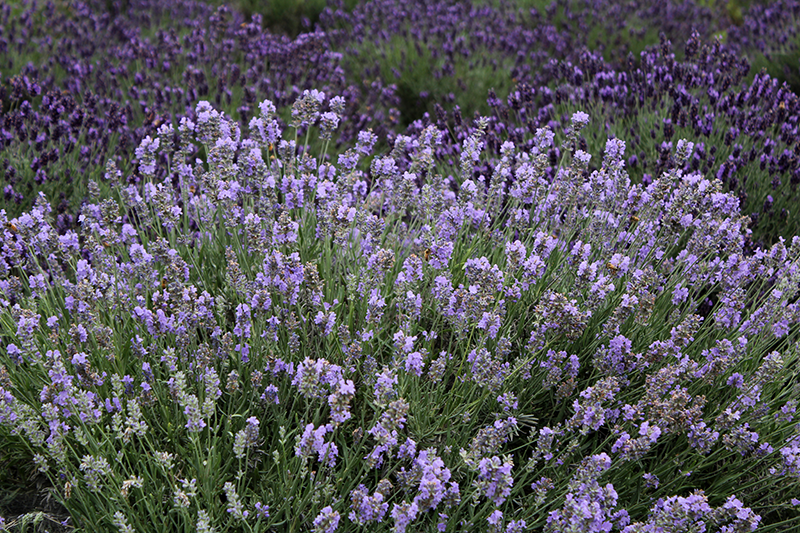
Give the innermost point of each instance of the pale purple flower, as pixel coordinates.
(326, 521)
(262, 511)
(651, 481)
(582, 158)
(339, 401)
(494, 478)
(414, 363)
(313, 441)
(702, 437)
(246, 437)
(589, 506)
(736, 380)
(508, 401)
(679, 294)
(651, 432)
(441, 526)
(384, 386)
(683, 151)
(579, 120)
(234, 505)
(516, 526)
(403, 514)
(366, 508)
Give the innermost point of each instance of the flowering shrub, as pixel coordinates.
(275, 339)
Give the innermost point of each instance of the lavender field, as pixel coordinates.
(393, 266)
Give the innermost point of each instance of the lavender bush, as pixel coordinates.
(278, 340)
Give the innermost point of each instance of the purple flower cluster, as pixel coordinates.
(737, 126)
(385, 430)
(432, 480)
(488, 441)
(94, 470)
(790, 454)
(494, 479)
(562, 370)
(191, 406)
(234, 505)
(487, 370)
(313, 441)
(589, 506)
(313, 377)
(631, 449)
(326, 521)
(366, 508)
(246, 437)
(590, 414)
(693, 513)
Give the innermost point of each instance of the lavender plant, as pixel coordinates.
(276, 340)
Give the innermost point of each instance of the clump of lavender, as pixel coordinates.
(568, 355)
